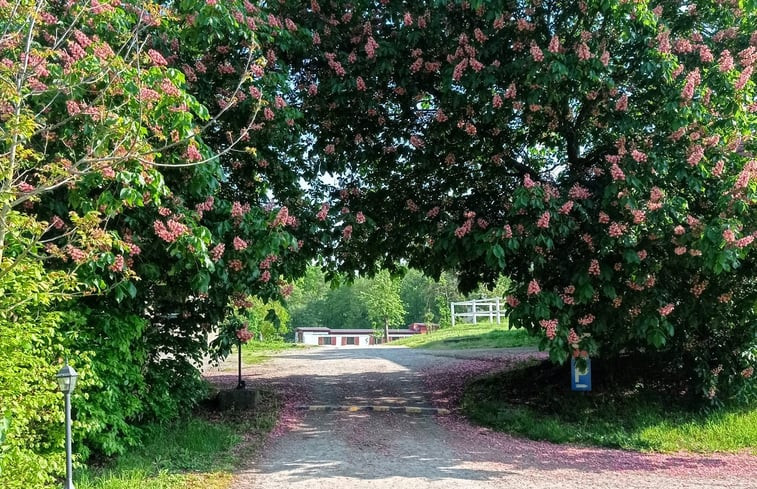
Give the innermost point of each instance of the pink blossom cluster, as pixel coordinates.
(217, 252)
(239, 243)
(512, 301)
(236, 265)
(744, 77)
(118, 264)
(583, 52)
(543, 221)
(666, 309)
(536, 52)
(170, 231)
(193, 154)
(347, 232)
(244, 335)
(573, 338)
(238, 210)
(511, 92)
(205, 206)
(639, 216)
(550, 325)
(323, 213)
(578, 192)
(586, 320)
(696, 153)
(433, 212)
(533, 287)
(616, 229)
(594, 268)
(76, 254)
(638, 156)
(156, 58)
(566, 208)
(370, 48)
(360, 217)
(567, 295)
(622, 104)
(616, 172)
(693, 79)
(698, 288)
(283, 218)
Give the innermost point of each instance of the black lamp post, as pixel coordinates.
(67, 382)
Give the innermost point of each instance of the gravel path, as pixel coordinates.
(318, 450)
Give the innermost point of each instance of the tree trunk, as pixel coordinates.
(386, 330)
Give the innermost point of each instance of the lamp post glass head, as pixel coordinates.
(67, 379)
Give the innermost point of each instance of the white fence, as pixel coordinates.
(472, 311)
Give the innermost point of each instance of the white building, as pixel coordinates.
(344, 337)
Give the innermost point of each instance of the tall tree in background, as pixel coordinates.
(383, 301)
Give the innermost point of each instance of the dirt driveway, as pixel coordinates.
(343, 449)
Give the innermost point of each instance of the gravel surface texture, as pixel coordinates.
(337, 449)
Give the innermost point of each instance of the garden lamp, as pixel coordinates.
(67, 382)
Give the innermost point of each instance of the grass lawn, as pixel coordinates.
(464, 336)
(198, 453)
(536, 402)
(254, 352)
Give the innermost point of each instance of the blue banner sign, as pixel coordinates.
(580, 379)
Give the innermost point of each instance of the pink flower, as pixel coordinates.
(666, 309)
(533, 287)
(359, 217)
(729, 236)
(118, 264)
(72, 107)
(496, 101)
(536, 52)
(323, 213)
(679, 250)
(622, 103)
(329, 149)
(265, 276)
(512, 301)
(239, 243)
(616, 230)
(554, 45)
(679, 230)
(193, 154)
(573, 338)
(407, 19)
(527, 182)
(586, 320)
(583, 52)
(638, 156)
(566, 208)
(693, 80)
(743, 78)
(725, 63)
(639, 216)
(550, 325)
(543, 221)
(578, 192)
(511, 91)
(594, 268)
(605, 58)
(360, 84)
(217, 252)
(156, 58)
(616, 172)
(347, 233)
(695, 155)
(642, 254)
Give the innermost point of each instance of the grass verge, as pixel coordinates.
(536, 402)
(466, 336)
(255, 352)
(198, 453)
